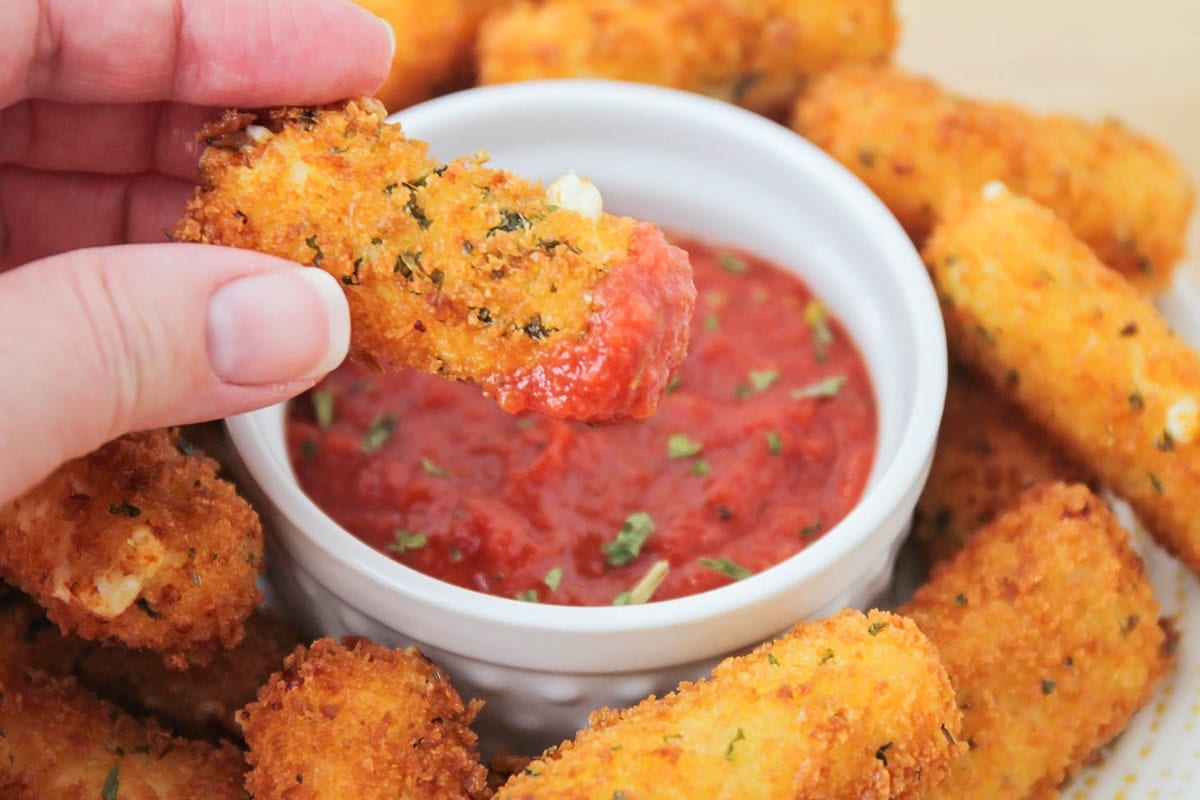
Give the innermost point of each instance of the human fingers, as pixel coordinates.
(95, 343)
(108, 138)
(208, 52)
(43, 214)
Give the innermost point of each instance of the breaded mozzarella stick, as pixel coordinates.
(756, 53)
(1049, 629)
(916, 145)
(535, 295)
(1080, 350)
(852, 706)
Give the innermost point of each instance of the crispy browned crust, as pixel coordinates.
(1049, 629)
(916, 145)
(60, 741)
(145, 522)
(358, 720)
(757, 53)
(454, 269)
(1082, 352)
(852, 706)
(198, 703)
(988, 452)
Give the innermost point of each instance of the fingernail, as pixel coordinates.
(278, 326)
(391, 32)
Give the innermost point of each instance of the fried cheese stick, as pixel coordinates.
(362, 721)
(756, 54)
(988, 452)
(916, 145)
(852, 706)
(1049, 629)
(1080, 350)
(201, 702)
(60, 741)
(139, 542)
(455, 269)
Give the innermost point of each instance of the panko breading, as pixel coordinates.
(200, 702)
(917, 145)
(1049, 629)
(756, 54)
(852, 706)
(138, 542)
(362, 721)
(988, 452)
(1080, 350)
(455, 269)
(61, 742)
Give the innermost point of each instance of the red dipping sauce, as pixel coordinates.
(763, 442)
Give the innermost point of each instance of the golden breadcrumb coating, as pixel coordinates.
(1080, 350)
(199, 702)
(59, 741)
(453, 268)
(852, 706)
(988, 452)
(916, 145)
(1049, 629)
(756, 53)
(138, 542)
(362, 721)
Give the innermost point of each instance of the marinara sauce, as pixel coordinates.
(763, 441)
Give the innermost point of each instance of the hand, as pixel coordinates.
(99, 107)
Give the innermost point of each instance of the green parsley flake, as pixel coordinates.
(772, 660)
(431, 467)
(673, 383)
(760, 380)
(740, 736)
(379, 432)
(112, 784)
(876, 627)
(774, 443)
(553, 578)
(528, 596)
(830, 387)
(811, 529)
(700, 468)
(680, 445)
(629, 540)
(645, 588)
(726, 567)
(731, 263)
(322, 403)
(816, 317)
(408, 540)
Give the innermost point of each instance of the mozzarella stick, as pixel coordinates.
(756, 54)
(988, 452)
(916, 145)
(139, 542)
(1049, 629)
(852, 706)
(363, 721)
(1080, 350)
(60, 741)
(456, 269)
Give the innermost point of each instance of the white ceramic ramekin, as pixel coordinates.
(700, 167)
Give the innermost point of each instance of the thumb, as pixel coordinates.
(96, 343)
